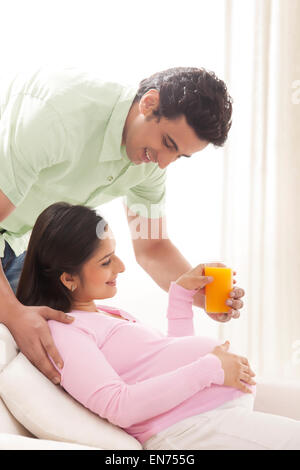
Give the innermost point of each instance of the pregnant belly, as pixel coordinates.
(182, 351)
(148, 355)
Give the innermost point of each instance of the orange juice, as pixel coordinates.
(217, 292)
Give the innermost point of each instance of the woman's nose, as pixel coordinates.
(122, 266)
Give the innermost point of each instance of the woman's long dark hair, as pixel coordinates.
(63, 239)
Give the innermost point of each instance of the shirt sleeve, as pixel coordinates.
(2, 246)
(149, 197)
(90, 379)
(180, 311)
(32, 137)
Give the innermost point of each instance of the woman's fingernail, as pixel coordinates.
(56, 380)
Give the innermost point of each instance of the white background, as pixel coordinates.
(128, 41)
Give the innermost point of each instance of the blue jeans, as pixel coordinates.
(12, 266)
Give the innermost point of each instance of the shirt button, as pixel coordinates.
(110, 178)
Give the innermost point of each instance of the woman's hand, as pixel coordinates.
(195, 279)
(237, 371)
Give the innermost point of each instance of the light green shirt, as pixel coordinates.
(60, 140)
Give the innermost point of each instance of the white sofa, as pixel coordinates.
(277, 398)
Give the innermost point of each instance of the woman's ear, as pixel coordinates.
(67, 280)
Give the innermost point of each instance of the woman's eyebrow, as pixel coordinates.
(106, 256)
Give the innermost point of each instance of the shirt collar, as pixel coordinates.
(111, 148)
(117, 311)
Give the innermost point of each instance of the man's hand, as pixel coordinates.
(234, 296)
(234, 302)
(29, 327)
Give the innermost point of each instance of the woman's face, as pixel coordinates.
(99, 274)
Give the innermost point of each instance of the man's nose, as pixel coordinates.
(164, 160)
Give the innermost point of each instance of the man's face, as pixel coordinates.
(164, 141)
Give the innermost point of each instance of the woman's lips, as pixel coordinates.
(112, 283)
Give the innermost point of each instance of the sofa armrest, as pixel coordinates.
(9, 424)
(15, 442)
(279, 398)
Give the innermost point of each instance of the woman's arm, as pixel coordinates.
(90, 379)
(180, 311)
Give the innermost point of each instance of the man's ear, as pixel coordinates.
(149, 102)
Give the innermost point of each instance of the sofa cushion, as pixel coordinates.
(9, 424)
(278, 397)
(8, 347)
(13, 442)
(50, 413)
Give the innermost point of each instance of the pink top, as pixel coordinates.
(135, 376)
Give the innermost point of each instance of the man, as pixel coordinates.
(68, 136)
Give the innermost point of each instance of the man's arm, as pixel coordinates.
(156, 254)
(27, 324)
(6, 206)
(7, 297)
(164, 263)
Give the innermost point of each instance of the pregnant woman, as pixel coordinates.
(169, 391)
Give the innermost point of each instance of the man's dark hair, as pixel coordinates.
(197, 94)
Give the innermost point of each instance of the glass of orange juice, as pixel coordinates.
(217, 292)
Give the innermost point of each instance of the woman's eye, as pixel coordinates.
(108, 262)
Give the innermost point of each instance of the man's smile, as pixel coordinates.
(147, 156)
